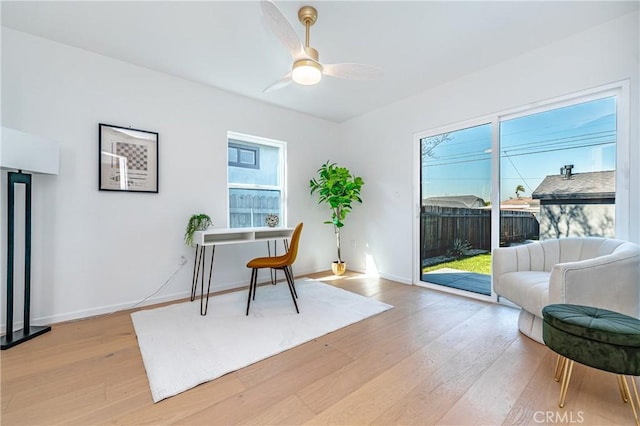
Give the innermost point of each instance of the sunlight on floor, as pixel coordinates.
(371, 270)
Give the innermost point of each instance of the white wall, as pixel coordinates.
(599, 56)
(97, 251)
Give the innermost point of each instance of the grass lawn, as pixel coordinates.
(480, 264)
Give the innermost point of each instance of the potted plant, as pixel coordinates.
(197, 222)
(338, 188)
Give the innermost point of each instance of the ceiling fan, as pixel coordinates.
(307, 68)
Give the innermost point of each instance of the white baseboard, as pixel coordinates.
(397, 279)
(94, 312)
(111, 309)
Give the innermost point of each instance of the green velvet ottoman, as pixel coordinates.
(596, 337)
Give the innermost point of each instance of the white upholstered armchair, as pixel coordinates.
(601, 272)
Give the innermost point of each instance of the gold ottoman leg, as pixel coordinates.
(623, 391)
(565, 383)
(560, 363)
(631, 398)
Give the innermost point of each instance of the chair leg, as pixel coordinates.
(293, 283)
(255, 284)
(289, 277)
(565, 383)
(254, 277)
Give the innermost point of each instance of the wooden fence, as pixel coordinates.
(250, 209)
(440, 226)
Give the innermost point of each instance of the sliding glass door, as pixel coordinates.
(552, 171)
(455, 209)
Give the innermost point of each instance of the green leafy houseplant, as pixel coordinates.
(338, 188)
(197, 222)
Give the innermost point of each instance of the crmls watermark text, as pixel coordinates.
(558, 417)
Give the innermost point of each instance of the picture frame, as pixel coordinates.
(128, 159)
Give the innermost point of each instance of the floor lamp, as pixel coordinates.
(24, 154)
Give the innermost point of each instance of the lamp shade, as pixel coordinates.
(29, 153)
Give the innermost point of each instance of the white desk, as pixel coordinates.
(223, 236)
(218, 236)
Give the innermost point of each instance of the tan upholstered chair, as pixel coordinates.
(283, 262)
(599, 272)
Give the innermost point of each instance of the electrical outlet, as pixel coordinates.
(183, 260)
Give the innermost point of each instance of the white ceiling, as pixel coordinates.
(418, 44)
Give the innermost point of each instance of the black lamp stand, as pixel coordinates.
(12, 338)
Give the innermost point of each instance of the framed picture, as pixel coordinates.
(128, 159)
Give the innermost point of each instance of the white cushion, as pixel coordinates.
(528, 289)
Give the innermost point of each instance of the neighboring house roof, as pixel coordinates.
(522, 204)
(580, 186)
(522, 201)
(465, 201)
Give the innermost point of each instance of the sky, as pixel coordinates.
(531, 148)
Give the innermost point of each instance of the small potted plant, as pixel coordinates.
(338, 188)
(197, 222)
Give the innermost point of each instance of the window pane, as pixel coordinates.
(256, 181)
(268, 171)
(249, 207)
(559, 166)
(247, 157)
(232, 154)
(455, 220)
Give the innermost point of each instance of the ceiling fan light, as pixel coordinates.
(306, 72)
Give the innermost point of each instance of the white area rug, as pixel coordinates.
(182, 349)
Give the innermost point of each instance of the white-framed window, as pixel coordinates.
(256, 180)
(559, 162)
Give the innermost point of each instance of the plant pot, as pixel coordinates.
(338, 268)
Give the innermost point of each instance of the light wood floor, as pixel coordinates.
(435, 358)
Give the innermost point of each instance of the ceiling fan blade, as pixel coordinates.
(279, 84)
(281, 27)
(352, 71)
